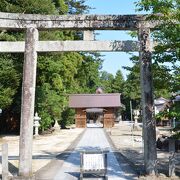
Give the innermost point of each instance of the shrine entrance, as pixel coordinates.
(95, 109)
(87, 23)
(95, 117)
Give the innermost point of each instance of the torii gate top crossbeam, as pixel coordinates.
(74, 22)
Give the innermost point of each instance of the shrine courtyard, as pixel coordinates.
(56, 156)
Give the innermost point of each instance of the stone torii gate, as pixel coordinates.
(32, 23)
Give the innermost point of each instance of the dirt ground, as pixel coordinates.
(129, 143)
(45, 148)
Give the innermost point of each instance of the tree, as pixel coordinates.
(132, 89)
(13, 109)
(167, 50)
(167, 36)
(77, 6)
(67, 117)
(118, 82)
(27, 7)
(88, 73)
(162, 80)
(106, 81)
(176, 78)
(57, 73)
(9, 80)
(55, 79)
(168, 39)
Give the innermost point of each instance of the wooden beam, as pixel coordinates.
(74, 22)
(67, 46)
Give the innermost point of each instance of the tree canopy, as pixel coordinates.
(60, 74)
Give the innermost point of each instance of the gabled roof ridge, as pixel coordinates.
(95, 94)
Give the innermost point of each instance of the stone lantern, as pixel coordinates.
(36, 123)
(136, 114)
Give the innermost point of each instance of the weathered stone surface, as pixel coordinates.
(88, 35)
(149, 126)
(27, 103)
(67, 46)
(89, 22)
(5, 170)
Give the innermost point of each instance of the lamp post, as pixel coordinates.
(36, 123)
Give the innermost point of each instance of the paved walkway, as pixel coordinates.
(93, 139)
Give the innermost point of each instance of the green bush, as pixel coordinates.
(67, 117)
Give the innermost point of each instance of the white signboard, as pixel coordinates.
(93, 161)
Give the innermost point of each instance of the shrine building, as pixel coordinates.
(99, 109)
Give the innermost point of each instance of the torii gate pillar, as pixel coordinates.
(27, 104)
(149, 125)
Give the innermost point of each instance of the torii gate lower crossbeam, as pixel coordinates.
(91, 22)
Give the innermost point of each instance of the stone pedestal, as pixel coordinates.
(56, 127)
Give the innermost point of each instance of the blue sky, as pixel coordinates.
(113, 60)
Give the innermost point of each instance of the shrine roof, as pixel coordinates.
(95, 100)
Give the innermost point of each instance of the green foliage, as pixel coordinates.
(118, 82)
(162, 83)
(55, 78)
(166, 80)
(67, 117)
(132, 89)
(88, 73)
(58, 74)
(162, 115)
(176, 78)
(28, 6)
(152, 5)
(106, 81)
(172, 113)
(162, 80)
(168, 37)
(77, 6)
(9, 80)
(46, 120)
(61, 6)
(175, 111)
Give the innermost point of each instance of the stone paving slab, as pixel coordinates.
(93, 139)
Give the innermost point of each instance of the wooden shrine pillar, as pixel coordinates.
(80, 118)
(149, 125)
(27, 103)
(108, 121)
